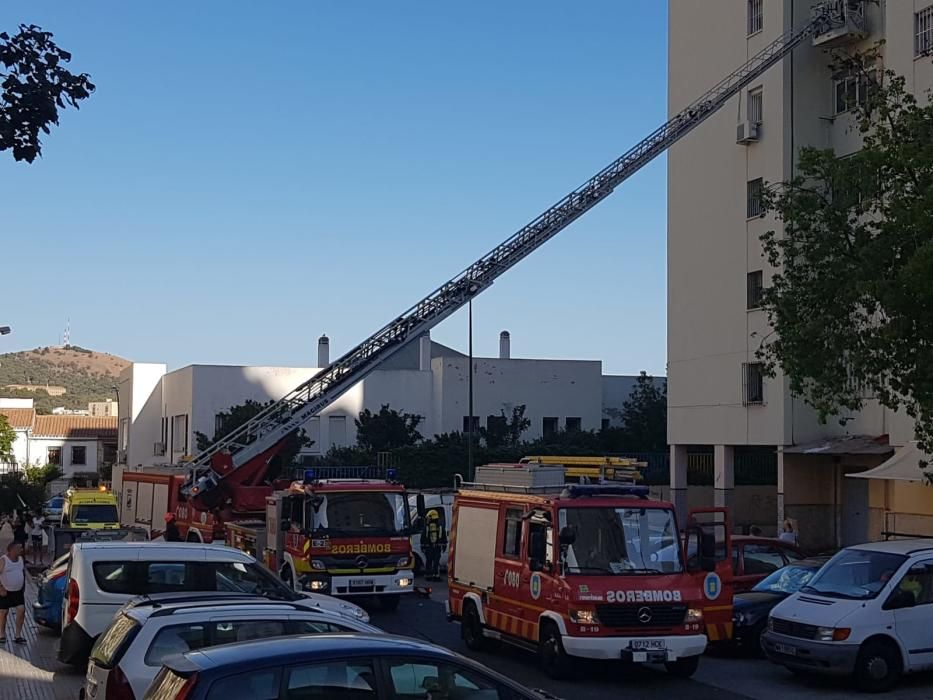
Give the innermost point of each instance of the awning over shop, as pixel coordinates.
(844, 445)
(904, 465)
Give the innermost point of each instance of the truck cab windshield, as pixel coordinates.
(359, 513)
(621, 541)
(94, 513)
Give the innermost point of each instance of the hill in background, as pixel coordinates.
(85, 375)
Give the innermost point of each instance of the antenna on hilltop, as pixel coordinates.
(66, 337)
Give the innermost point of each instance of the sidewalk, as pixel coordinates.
(31, 672)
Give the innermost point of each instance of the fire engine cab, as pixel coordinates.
(591, 570)
(341, 536)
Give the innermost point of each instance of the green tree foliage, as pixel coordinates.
(502, 431)
(235, 416)
(644, 415)
(34, 85)
(26, 489)
(40, 475)
(386, 430)
(7, 438)
(851, 301)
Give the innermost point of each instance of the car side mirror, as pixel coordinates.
(900, 600)
(567, 535)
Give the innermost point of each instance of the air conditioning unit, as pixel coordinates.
(747, 132)
(158, 449)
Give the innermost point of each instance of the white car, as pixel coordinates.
(867, 613)
(103, 576)
(130, 652)
(443, 503)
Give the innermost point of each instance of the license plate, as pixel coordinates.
(784, 649)
(362, 582)
(648, 644)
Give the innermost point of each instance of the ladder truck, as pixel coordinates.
(230, 479)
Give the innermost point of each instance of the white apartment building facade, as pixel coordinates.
(718, 398)
(161, 411)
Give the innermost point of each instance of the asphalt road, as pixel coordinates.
(718, 678)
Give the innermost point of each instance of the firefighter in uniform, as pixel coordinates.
(433, 542)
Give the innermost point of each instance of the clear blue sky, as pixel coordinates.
(249, 175)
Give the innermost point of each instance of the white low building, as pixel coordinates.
(161, 411)
(76, 444)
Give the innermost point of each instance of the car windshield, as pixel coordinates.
(95, 513)
(788, 579)
(237, 577)
(354, 513)
(855, 573)
(621, 541)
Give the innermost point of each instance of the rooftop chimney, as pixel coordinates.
(323, 351)
(505, 346)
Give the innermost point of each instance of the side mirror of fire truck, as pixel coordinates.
(420, 505)
(567, 536)
(707, 551)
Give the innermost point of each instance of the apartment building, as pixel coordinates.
(719, 399)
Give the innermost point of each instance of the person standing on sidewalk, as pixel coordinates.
(13, 590)
(35, 534)
(433, 542)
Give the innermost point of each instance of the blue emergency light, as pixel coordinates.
(309, 475)
(391, 474)
(580, 490)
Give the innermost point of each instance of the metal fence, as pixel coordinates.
(753, 467)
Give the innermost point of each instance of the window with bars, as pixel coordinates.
(755, 106)
(849, 91)
(550, 426)
(574, 424)
(754, 286)
(923, 31)
(466, 424)
(754, 190)
(753, 383)
(755, 16)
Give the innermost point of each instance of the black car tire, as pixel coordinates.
(683, 668)
(879, 666)
(551, 653)
(471, 629)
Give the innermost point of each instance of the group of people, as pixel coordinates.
(27, 529)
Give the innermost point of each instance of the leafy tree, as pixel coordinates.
(35, 85)
(40, 475)
(851, 301)
(7, 438)
(506, 431)
(386, 430)
(235, 416)
(644, 415)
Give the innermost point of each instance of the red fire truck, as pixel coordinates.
(591, 570)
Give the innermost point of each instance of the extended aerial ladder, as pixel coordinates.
(235, 466)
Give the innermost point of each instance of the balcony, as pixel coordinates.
(845, 23)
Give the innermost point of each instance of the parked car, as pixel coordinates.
(52, 508)
(867, 613)
(442, 502)
(47, 608)
(131, 651)
(102, 576)
(754, 558)
(351, 667)
(750, 609)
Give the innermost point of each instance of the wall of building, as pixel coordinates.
(548, 388)
(39, 448)
(139, 390)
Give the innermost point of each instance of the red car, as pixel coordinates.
(753, 558)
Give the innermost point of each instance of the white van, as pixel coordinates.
(443, 503)
(102, 576)
(867, 613)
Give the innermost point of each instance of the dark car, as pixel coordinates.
(750, 609)
(347, 667)
(754, 558)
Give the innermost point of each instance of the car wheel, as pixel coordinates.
(683, 668)
(471, 629)
(286, 575)
(878, 667)
(554, 659)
